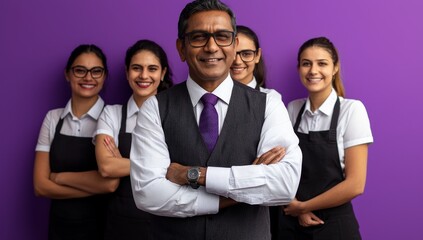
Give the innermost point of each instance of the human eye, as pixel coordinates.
(247, 53)
(198, 36)
(79, 71)
(323, 64)
(97, 71)
(136, 68)
(153, 68)
(305, 64)
(223, 35)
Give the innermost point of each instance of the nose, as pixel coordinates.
(88, 76)
(143, 74)
(238, 59)
(211, 45)
(313, 69)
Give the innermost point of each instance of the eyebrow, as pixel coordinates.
(148, 65)
(318, 60)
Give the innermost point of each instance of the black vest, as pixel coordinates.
(237, 145)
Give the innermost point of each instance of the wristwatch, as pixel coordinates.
(193, 174)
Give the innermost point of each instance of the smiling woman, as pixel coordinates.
(334, 135)
(147, 72)
(65, 168)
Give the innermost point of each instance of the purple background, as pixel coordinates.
(380, 44)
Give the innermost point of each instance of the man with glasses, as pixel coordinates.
(193, 158)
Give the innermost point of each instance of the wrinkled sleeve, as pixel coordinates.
(274, 184)
(149, 162)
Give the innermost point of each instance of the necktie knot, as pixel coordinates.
(209, 98)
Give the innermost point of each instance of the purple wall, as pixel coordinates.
(380, 44)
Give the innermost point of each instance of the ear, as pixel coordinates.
(336, 69)
(258, 56)
(127, 74)
(236, 42)
(180, 47)
(163, 74)
(66, 76)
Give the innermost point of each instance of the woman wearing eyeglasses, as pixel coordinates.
(65, 168)
(248, 67)
(147, 72)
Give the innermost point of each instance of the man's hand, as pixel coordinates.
(177, 173)
(274, 155)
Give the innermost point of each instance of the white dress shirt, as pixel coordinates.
(110, 120)
(72, 126)
(353, 123)
(274, 184)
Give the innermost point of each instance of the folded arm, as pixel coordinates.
(352, 186)
(45, 187)
(109, 160)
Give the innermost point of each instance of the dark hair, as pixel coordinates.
(201, 6)
(148, 45)
(87, 48)
(260, 68)
(326, 44)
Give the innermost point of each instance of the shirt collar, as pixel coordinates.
(253, 83)
(223, 91)
(327, 106)
(132, 107)
(94, 111)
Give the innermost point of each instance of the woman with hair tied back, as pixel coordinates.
(334, 135)
(249, 69)
(65, 168)
(147, 72)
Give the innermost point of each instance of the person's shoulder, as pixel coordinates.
(297, 103)
(271, 92)
(349, 104)
(248, 89)
(55, 113)
(113, 108)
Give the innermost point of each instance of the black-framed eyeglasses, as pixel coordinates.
(247, 55)
(201, 38)
(81, 72)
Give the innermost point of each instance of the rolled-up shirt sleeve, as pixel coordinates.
(149, 162)
(274, 184)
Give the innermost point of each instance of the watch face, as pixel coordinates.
(193, 174)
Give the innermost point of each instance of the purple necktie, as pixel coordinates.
(209, 121)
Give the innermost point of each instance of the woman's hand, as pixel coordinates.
(295, 208)
(309, 220)
(111, 147)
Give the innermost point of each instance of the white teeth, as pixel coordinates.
(211, 60)
(144, 84)
(87, 86)
(314, 80)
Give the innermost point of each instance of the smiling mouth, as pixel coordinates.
(237, 69)
(144, 84)
(210, 60)
(87, 86)
(314, 80)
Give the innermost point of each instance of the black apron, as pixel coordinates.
(75, 218)
(124, 219)
(321, 170)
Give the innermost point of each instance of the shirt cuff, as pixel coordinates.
(207, 203)
(217, 181)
